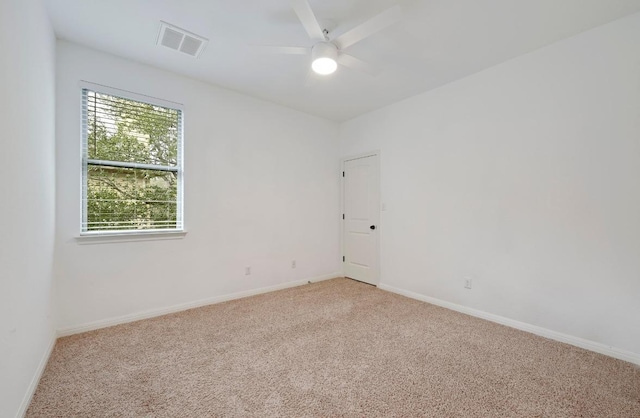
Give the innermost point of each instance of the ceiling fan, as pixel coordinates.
(328, 52)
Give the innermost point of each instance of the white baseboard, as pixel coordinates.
(63, 332)
(31, 390)
(534, 329)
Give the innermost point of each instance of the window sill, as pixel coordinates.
(109, 237)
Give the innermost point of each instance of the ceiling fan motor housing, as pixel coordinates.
(324, 50)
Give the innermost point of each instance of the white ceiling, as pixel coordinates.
(437, 41)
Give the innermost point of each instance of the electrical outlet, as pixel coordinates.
(467, 283)
(247, 271)
(293, 264)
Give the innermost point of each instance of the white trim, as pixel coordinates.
(523, 326)
(359, 156)
(31, 390)
(185, 306)
(126, 94)
(98, 237)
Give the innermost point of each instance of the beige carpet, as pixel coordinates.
(334, 348)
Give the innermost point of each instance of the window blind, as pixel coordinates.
(132, 164)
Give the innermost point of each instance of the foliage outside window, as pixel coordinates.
(132, 171)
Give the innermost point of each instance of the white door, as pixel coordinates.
(361, 209)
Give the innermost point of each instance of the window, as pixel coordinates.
(132, 164)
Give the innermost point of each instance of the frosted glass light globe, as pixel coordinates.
(324, 66)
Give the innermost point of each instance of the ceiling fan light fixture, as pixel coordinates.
(324, 58)
(324, 66)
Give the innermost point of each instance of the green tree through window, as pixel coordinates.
(132, 169)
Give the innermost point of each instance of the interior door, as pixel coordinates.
(361, 205)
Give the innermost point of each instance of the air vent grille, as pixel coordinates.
(181, 40)
(172, 39)
(190, 45)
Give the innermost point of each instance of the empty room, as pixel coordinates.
(320, 208)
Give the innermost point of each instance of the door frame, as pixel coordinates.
(343, 160)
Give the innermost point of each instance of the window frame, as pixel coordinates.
(86, 236)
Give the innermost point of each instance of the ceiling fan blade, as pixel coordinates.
(308, 19)
(356, 64)
(289, 50)
(368, 28)
(311, 79)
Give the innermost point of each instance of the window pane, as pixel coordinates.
(128, 198)
(124, 140)
(126, 130)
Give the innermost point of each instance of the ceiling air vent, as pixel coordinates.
(181, 40)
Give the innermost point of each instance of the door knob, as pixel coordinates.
(372, 227)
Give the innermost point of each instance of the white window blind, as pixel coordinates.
(132, 164)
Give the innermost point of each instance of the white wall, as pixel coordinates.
(261, 189)
(27, 88)
(525, 177)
